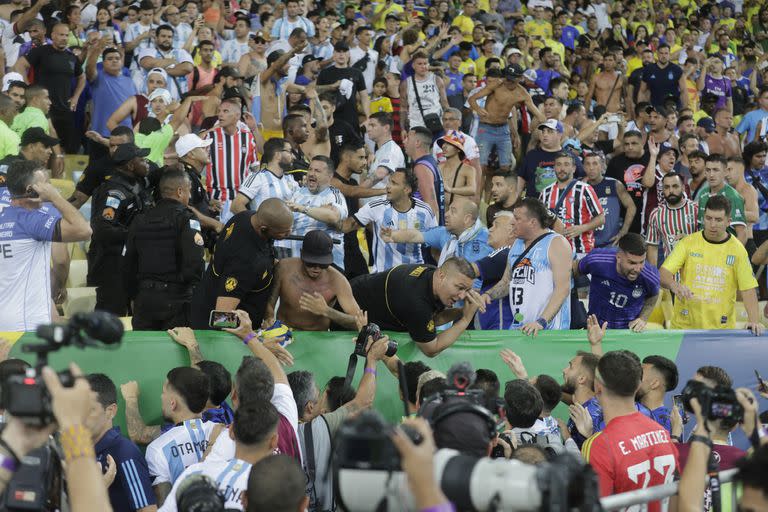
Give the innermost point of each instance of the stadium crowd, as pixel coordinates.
(429, 167)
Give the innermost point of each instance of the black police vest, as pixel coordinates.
(158, 241)
(134, 192)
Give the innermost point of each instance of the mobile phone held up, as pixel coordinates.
(223, 320)
(678, 401)
(762, 387)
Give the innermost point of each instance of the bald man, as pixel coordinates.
(240, 274)
(463, 235)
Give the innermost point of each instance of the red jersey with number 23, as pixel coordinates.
(632, 452)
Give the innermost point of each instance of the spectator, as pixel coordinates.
(9, 140)
(537, 169)
(352, 88)
(427, 172)
(613, 198)
(55, 68)
(536, 305)
(276, 483)
(388, 157)
(176, 62)
(718, 186)
(234, 48)
(671, 221)
(423, 95)
(290, 21)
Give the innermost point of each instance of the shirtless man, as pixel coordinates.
(274, 87)
(309, 287)
(723, 140)
(318, 143)
(493, 131)
(458, 177)
(607, 87)
(734, 175)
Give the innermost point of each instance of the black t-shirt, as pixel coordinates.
(492, 210)
(94, 175)
(299, 166)
(630, 172)
(54, 70)
(400, 299)
(340, 133)
(634, 80)
(242, 267)
(346, 108)
(663, 83)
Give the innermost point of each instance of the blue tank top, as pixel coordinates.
(606, 193)
(437, 180)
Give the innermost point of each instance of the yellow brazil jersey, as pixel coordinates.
(713, 272)
(540, 28)
(467, 66)
(466, 25)
(392, 9)
(382, 104)
(557, 47)
(634, 63)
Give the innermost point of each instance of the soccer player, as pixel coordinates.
(713, 265)
(255, 434)
(132, 490)
(185, 393)
(624, 287)
(399, 210)
(660, 376)
(632, 452)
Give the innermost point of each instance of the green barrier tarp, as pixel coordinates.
(147, 356)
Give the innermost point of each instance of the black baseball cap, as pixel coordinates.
(513, 72)
(127, 152)
(341, 46)
(309, 58)
(317, 248)
(230, 71)
(37, 134)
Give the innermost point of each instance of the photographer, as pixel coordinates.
(320, 425)
(418, 464)
(71, 408)
(752, 470)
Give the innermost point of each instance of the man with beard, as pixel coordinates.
(660, 376)
(318, 206)
(296, 130)
(503, 194)
(353, 160)
(613, 198)
(663, 80)
(177, 62)
(628, 168)
(624, 287)
(309, 287)
(674, 219)
(578, 384)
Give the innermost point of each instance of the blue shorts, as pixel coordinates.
(490, 136)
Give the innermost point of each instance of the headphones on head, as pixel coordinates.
(447, 409)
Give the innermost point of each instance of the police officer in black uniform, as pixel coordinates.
(242, 268)
(194, 158)
(414, 298)
(163, 258)
(297, 133)
(98, 169)
(116, 203)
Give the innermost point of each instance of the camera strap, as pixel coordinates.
(713, 467)
(351, 368)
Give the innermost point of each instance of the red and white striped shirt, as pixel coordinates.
(231, 159)
(668, 225)
(580, 206)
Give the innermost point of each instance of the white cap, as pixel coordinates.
(11, 77)
(162, 94)
(530, 74)
(190, 141)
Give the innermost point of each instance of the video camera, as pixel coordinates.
(26, 396)
(198, 493)
(367, 476)
(718, 403)
(372, 331)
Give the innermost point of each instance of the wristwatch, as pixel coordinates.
(542, 322)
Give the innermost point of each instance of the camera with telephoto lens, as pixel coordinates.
(365, 443)
(374, 332)
(198, 493)
(25, 396)
(718, 403)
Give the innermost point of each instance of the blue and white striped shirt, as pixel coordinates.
(262, 185)
(381, 213)
(177, 449)
(231, 479)
(302, 224)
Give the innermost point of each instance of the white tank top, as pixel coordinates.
(430, 100)
(531, 285)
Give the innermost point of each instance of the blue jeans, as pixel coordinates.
(490, 136)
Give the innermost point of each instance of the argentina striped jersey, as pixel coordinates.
(230, 477)
(381, 213)
(302, 224)
(177, 449)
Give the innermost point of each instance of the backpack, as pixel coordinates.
(316, 445)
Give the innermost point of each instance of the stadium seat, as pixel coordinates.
(65, 187)
(78, 270)
(79, 300)
(74, 163)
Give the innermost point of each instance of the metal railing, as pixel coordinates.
(656, 493)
